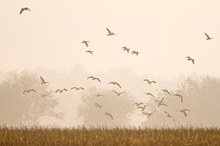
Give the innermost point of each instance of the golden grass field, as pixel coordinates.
(109, 137)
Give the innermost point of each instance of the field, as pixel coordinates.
(109, 137)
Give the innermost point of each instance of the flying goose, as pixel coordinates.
(86, 43)
(110, 33)
(109, 115)
(148, 93)
(43, 81)
(94, 78)
(178, 95)
(98, 105)
(207, 36)
(24, 9)
(77, 88)
(126, 49)
(118, 93)
(169, 116)
(135, 52)
(61, 91)
(28, 91)
(115, 83)
(149, 82)
(184, 111)
(166, 91)
(190, 59)
(90, 51)
(149, 114)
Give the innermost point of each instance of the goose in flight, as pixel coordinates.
(178, 95)
(118, 93)
(166, 91)
(169, 116)
(126, 49)
(77, 88)
(99, 95)
(190, 59)
(42, 80)
(86, 43)
(148, 93)
(98, 105)
(24, 9)
(150, 82)
(109, 115)
(90, 51)
(94, 78)
(142, 107)
(184, 111)
(138, 103)
(161, 103)
(110, 33)
(135, 52)
(61, 91)
(28, 91)
(149, 114)
(115, 83)
(207, 36)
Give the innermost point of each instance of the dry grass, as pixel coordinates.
(109, 137)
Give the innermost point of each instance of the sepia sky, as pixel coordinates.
(164, 32)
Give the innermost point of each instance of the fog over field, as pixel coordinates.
(174, 43)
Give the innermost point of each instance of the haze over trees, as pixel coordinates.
(25, 108)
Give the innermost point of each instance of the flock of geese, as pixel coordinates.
(139, 105)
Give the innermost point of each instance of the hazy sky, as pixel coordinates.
(164, 32)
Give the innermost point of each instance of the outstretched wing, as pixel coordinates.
(109, 31)
(90, 77)
(207, 35)
(97, 79)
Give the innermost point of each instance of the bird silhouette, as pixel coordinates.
(94, 78)
(98, 105)
(138, 103)
(109, 115)
(29, 90)
(169, 116)
(43, 81)
(90, 51)
(99, 95)
(161, 103)
(184, 111)
(86, 43)
(178, 95)
(190, 59)
(135, 52)
(149, 114)
(207, 36)
(150, 82)
(126, 49)
(142, 107)
(118, 93)
(24, 9)
(148, 93)
(61, 91)
(110, 33)
(166, 91)
(115, 83)
(77, 88)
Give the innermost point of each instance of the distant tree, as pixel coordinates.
(97, 102)
(19, 108)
